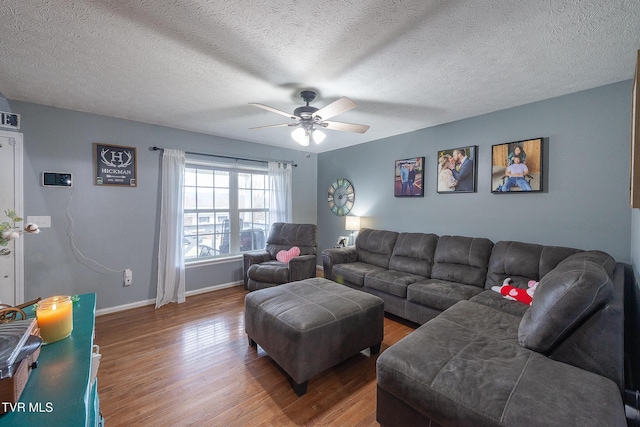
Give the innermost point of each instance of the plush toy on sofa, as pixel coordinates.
(517, 294)
(286, 256)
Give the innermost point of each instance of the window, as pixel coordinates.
(226, 210)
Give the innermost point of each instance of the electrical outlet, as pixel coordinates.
(128, 277)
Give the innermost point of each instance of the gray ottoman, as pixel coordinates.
(311, 325)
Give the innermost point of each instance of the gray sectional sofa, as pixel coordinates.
(478, 358)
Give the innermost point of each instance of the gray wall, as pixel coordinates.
(118, 227)
(586, 205)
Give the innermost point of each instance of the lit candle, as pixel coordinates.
(55, 318)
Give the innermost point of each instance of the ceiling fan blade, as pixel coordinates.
(347, 127)
(273, 110)
(275, 126)
(336, 107)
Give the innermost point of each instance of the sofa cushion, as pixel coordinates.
(375, 246)
(440, 294)
(391, 281)
(523, 262)
(270, 271)
(465, 367)
(497, 301)
(413, 253)
(600, 258)
(462, 259)
(565, 298)
(353, 272)
(282, 236)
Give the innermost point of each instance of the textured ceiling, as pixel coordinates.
(409, 64)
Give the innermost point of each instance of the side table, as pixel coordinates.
(61, 390)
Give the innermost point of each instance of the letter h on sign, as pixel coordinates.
(116, 156)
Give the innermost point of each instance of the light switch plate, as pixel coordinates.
(40, 221)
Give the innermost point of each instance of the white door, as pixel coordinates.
(11, 265)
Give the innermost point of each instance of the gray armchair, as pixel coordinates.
(263, 270)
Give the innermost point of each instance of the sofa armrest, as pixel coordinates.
(250, 258)
(331, 257)
(256, 257)
(302, 267)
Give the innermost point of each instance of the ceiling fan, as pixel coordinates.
(309, 120)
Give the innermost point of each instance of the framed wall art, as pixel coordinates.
(457, 171)
(114, 165)
(409, 178)
(517, 167)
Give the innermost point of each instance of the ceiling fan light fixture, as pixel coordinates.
(301, 136)
(318, 136)
(308, 118)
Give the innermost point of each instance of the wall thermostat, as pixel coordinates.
(56, 179)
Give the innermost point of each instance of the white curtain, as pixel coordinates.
(280, 192)
(171, 247)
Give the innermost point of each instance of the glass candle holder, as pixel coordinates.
(55, 318)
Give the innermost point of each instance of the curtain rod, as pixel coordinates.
(291, 162)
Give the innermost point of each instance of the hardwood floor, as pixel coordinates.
(191, 364)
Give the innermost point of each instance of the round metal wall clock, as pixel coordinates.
(341, 196)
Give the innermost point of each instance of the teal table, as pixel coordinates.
(59, 391)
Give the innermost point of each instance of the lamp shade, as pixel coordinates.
(352, 223)
(304, 135)
(318, 136)
(301, 136)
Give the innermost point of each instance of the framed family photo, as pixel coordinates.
(409, 178)
(457, 171)
(517, 167)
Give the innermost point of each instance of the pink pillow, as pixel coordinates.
(285, 256)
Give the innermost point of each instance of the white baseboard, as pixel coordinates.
(137, 304)
(213, 288)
